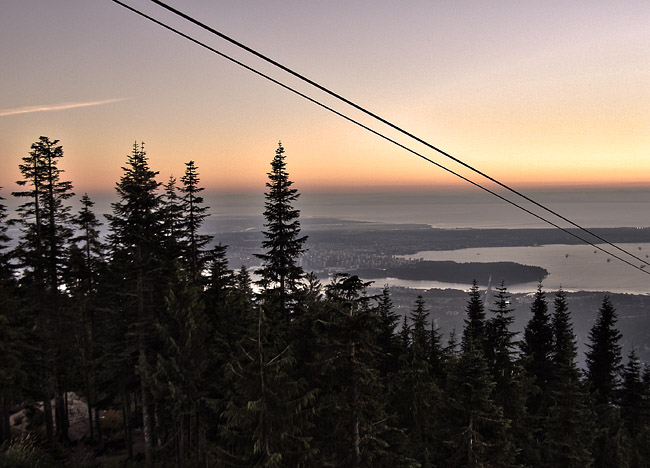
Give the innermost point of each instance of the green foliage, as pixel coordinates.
(280, 272)
(604, 355)
(474, 333)
(194, 213)
(26, 452)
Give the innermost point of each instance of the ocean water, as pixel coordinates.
(572, 267)
(477, 209)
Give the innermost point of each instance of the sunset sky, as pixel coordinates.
(534, 93)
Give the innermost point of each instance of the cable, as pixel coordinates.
(388, 123)
(375, 132)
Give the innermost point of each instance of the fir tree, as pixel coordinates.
(537, 346)
(604, 354)
(269, 419)
(477, 430)
(387, 340)
(12, 374)
(418, 397)
(86, 265)
(171, 214)
(181, 371)
(280, 272)
(42, 257)
(564, 341)
(135, 240)
(501, 346)
(474, 333)
(194, 213)
(354, 426)
(632, 394)
(569, 424)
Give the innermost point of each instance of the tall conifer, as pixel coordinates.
(41, 255)
(135, 240)
(194, 213)
(604, 354)
(281, 272)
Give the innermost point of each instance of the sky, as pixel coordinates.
(536, 94)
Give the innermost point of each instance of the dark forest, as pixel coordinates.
(178, 359)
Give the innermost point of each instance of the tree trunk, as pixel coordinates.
(126, 416)
(147, 427)
(47, 413)
(100, 435)
(180, 462)
(5, 427)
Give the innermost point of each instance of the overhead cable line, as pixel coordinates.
(388, 123)
(375, 132)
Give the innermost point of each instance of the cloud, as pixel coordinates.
(55, 107)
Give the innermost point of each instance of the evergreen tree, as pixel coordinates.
(171, 216)
(511, 384)
(477, 430)
(419, 335)
(387, 340)
(632, 394)
(604, 354)
(501, 347)
(269, 419)
(87, 263)
(437, 356)
(135, 240)
(474, 333)
(537, 346)
(181, 371)
(564, 341)
(280, 272)
(569, 424)
(354, 426)
(610, 445)
(418, 397)
(12, 374)
(41, 255)
(194, 213)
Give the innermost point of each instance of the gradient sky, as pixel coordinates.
(535, 93)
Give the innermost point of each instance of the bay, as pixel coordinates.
(572, 267)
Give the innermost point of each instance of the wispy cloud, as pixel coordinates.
(56, 107)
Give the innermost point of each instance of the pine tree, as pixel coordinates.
(569, 424)
(135, 240)
(180, 372)
(632, 394)
(537, 349)
(269, 419)
(537, 346)
(474, 333)
(508, 374)
(194, 213)
(604, 354)
(354, 428)
(42, 258)
(418, 398)
(280, 272)
(87, 263)
(564, 341)
(603, 374)
(477, 430)
(501, 346)
(12, 374)
(387, 340)
(171, 214)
